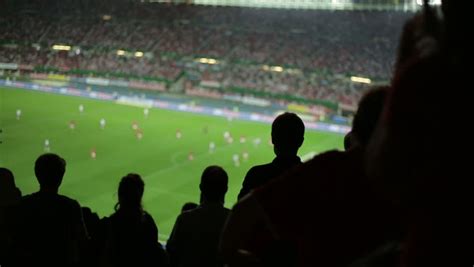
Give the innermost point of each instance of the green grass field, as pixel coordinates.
(161, 159)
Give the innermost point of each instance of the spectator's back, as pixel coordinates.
(50, 227)
(131, 240)
(131, 235)
(196, 233)
(47, 230)
(200, 229)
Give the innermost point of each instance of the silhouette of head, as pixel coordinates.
(49, 170)
(213, 185)
(130, 192)
(6, 178)
(9, 193)
(367, 115)
(347, 141)
(287, 134)
(189, 206)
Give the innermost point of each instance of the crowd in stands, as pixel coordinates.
(358, 43)
(310, 85)
(399, 195)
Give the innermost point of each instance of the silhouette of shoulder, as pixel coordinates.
(144, 228)
(39, 198)
(323, 196)
(132, 231)
(48, 218)
(203, 211)
(195, 236)
(201, 221)
(262, 174)
(328, 168)
(50, 206)
(48, 230)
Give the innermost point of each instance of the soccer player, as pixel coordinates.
(178, 134)
(226, 135)
(245, 155)
(134, 125)
(102, 123)
(18, 114)
(72, 125)
(236, 160)
(46, 145)
(230, 140)
(212, 147)
(257, 141)
(139, 134)
(146, 112)
(243, 139)
(93, 153)
(190, 156)
(81, 108)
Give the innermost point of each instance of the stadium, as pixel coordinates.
(165, 88)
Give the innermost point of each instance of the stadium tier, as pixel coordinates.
(310, 54)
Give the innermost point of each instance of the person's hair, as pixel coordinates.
(347, 141)
(50, 169)
(287, 133)
(9, 193)
(130, 193)
(6, 178)
(368, 113)
(213, 185)
(189, 206)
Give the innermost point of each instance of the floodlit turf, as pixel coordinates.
(160, 158)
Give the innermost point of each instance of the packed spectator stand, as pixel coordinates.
(317, 50)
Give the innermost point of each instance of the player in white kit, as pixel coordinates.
(139, 134)
(257, 141)
(18, 114)
(135, 125)
(236, 160)
(93, 153)
(226, 135)
(102, 123)
(46, 145)
(245, 155)
(212, 147)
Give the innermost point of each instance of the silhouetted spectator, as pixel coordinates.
(9, 199)
(287, 138)
(50, 228)
(188, 206)
(324, 212)
(196, 233)
(131, 233)
(419, 157)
